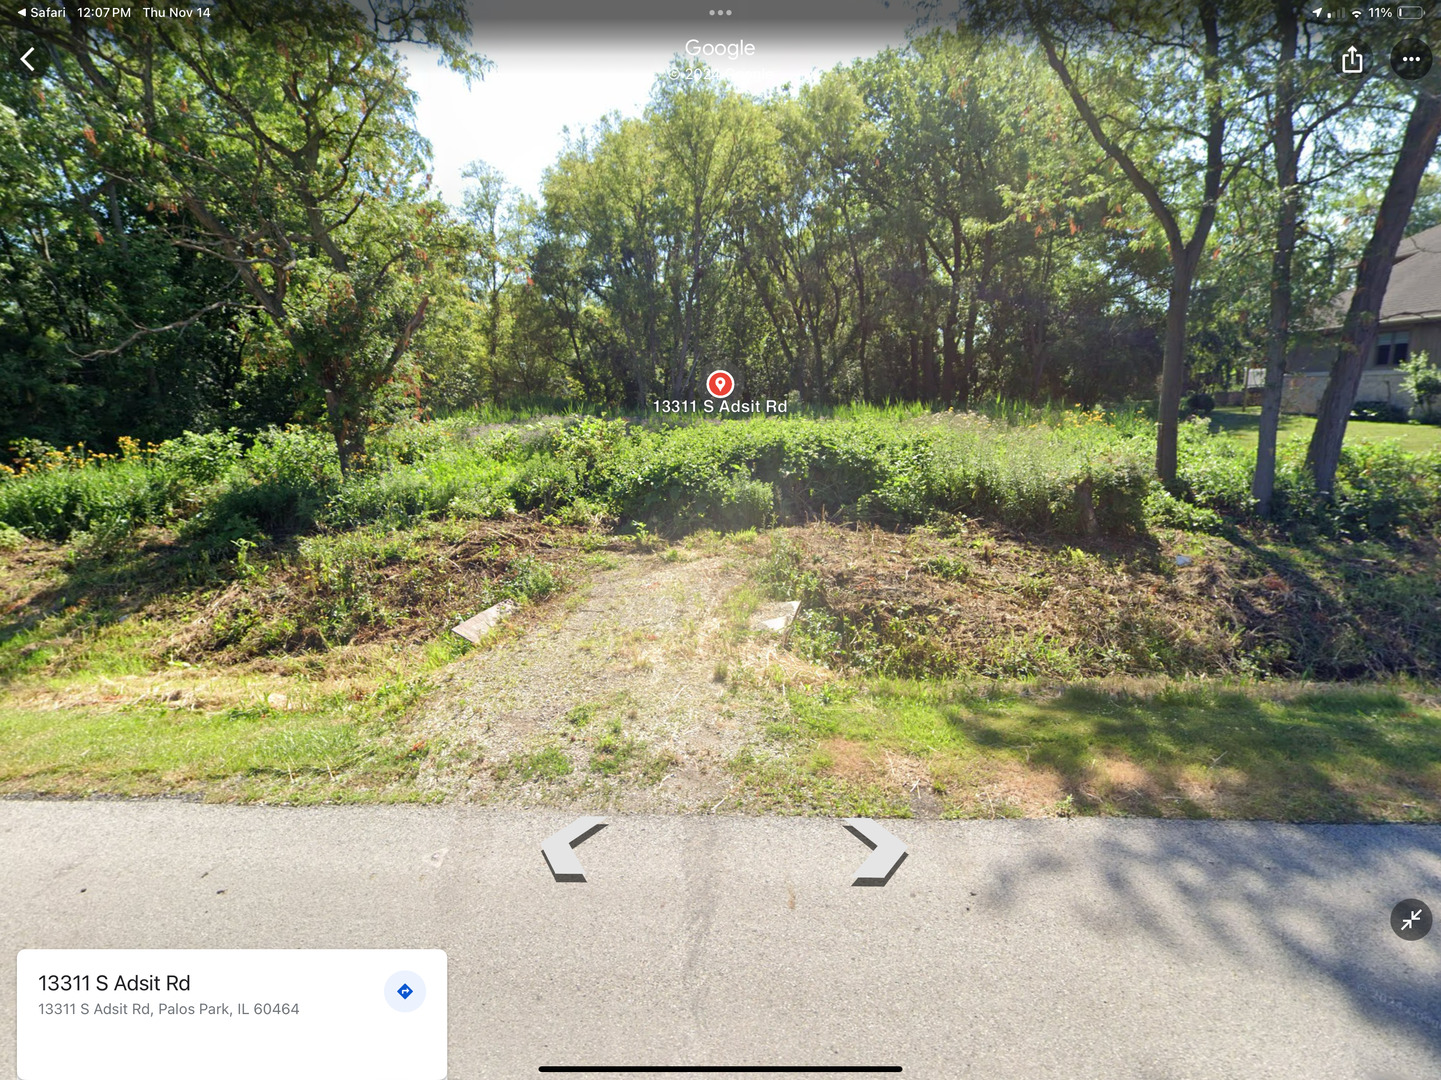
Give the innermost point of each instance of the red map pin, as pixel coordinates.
(720, 384)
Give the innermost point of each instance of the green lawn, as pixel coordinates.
(1243, 423)
(245, 752)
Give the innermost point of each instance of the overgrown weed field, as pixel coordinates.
(1001, 614)
(1056, 472)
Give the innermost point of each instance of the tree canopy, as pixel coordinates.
(230, 223)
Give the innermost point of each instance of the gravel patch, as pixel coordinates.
(626, 699)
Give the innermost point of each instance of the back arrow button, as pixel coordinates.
(557, 850)
(33, 63)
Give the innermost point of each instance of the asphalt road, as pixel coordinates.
(1025, 949)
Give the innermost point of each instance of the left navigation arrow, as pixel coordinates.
(26, 58)
(557, 850)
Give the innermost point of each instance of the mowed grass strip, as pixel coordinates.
(1244, 424)
(1274, 752)
(246, 753)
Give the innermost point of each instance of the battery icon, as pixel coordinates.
(1410, 11)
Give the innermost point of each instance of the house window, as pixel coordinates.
(1393, 348)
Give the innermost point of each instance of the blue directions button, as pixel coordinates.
(405, 991)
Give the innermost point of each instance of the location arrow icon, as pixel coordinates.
(889, 852)
(557, 850)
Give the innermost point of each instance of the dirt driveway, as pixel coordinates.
(633, 695)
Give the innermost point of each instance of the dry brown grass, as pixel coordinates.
(986, 603)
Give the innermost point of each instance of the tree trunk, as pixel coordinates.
(1173, 370)
(493, 330)
(950, 360)
(1358, 334)
(930, 382)
(858, 274)
(1034, 335)
(968, 351)
(864, 357)
(348, 435)
(1263, 482)
(979, 285)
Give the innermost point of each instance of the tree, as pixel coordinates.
(706, 137)
(1311, 118)
(931, 223)
(85, 265)
(1283, 136)
(1172, 62)
(956, 143)
(604, 244)
(284, 148)
(1373, 274)
(483, 207)
(645, 207)
(796, 239)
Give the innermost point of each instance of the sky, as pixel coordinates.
(542, 82)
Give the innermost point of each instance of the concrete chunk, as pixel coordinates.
(777, 618)
(477, 626)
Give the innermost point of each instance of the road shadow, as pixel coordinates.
(1320, 896)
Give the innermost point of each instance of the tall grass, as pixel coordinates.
(523, 409)
(1048, 469)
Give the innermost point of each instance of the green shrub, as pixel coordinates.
(532, 580)
(747, 504)
(948, 567)
(277, 487)
(1385, 412)
(1164, 510)
(482, 503)
(191, 461)
(785, 576)
(462, 479)
(106, 538)
(52, 504)
(1422, 381)
(393, 498)
(871, 468)
(1380, 488)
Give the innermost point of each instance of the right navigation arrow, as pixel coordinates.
(557, 850)
(889, 852)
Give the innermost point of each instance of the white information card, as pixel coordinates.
(231, 1014)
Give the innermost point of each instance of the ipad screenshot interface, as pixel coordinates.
(634, 537)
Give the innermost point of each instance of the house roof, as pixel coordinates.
(1414, 292)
